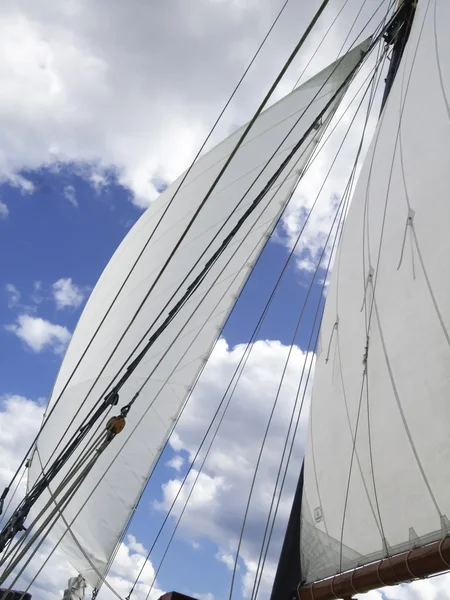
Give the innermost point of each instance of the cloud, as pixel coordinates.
(131, 102)
(4, 210)
(13, 294)
(67, 294)
(20, 419)
(217, 504)
(202, 596)
(39, 334)
(70, 195)
(37, 296)
(176, 462)
(215, 510)
(227, 559)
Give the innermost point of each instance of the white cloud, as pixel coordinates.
(227, 559)
(4, 210)
(20, 419)
(217, 503)
(13, 294)
(132, 101)
(215, 510)
(71, 195)
(176, 462)
(202, 596)
(37, 296)
(39, 334)
(67, 294)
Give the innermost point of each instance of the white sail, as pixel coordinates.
(377, 457)
(122, 471)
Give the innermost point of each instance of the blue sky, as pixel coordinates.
(46, 238)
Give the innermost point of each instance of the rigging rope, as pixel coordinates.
(112, 398)
(203, 202)
(183, 179)
(312, 158)
(288, 175)
(368, 316)
(260, 567)
(239, 366)
(347, 194)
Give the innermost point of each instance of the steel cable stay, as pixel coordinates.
(340, 117)
(183, 179)
(112, 397)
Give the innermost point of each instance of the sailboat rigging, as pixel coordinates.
(151, 322)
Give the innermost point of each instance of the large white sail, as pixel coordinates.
(376, 466)
(123, 469)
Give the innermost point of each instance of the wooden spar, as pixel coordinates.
(417, 563)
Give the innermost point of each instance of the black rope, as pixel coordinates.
(183, 179)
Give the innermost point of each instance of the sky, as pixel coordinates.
(102, 106)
